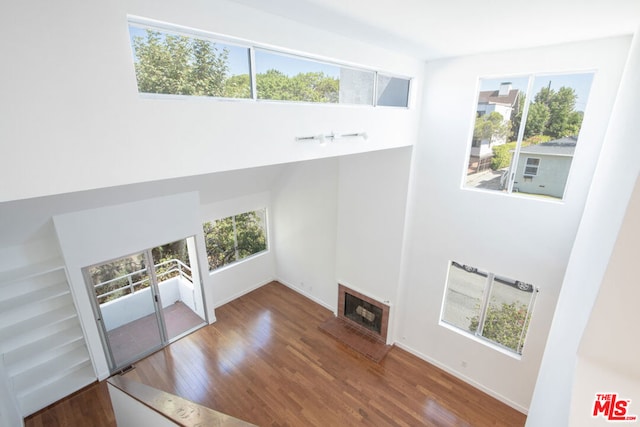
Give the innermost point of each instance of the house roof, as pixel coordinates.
(491, 97)
(558, 147)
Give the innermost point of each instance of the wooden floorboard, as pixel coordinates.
(265, 361)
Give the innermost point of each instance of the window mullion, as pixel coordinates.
(253, 73)
(526, 320)
(484, 304)
(523, 124)
(235, 238)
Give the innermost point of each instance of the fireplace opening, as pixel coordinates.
(363, 313)
(361, 322)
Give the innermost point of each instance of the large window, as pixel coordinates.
(526, 133)
(171, 60)
(235, 238)
(186, 64)
(489, 306)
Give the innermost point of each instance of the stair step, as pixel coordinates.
(32, 329)
(18, 317)
(50, 371)
(19, 302)
(39, 351)
(32, 270)
(51, 392)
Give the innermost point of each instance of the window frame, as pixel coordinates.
(252, 46)
(527, 165)
(180, 30)
(237, 261)
(485, 304)
(511, 190)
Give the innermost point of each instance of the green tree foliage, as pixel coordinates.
(122, 268)
(303, 87)
(490, 126)
(502, 155)
(504, 325)
(180, 65)
(552, 113)
(238, 86)
(537, 120)
(234, 238)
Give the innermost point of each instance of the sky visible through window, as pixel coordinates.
(265, 60)
(292, 66)
(238, 55)
(179, 62)
(581, 83)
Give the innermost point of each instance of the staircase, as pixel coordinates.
(42, 347)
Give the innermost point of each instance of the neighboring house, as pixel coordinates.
(544, 168)
(503, 101)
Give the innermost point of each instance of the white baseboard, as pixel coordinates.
(464, 378)
(243, 292)
(306, 295)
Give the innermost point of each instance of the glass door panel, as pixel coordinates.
(178, 296)
(126, 308)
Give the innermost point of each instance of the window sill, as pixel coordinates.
(482, 341)
(237, 263)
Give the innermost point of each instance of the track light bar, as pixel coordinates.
(331, 136)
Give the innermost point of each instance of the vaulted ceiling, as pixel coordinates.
(431, 29)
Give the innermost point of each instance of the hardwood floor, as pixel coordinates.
(91, 406)
(266, 362)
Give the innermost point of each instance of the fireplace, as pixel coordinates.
(363, 312)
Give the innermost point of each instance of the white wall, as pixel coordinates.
(611, 188)
(75, 120)
(372, 199)
(608, 353)
(341, 221)
(512, 235)
(10, 415)
(305, 212)
(228, 283)
(102, 234)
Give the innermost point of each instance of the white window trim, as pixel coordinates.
(527, 165)
(252, 46)
(484, 304)
(255, 255)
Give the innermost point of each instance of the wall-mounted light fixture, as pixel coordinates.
(324, 138)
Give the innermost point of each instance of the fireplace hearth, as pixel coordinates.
(361, 323)
(363, 311)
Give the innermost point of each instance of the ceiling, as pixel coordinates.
(430, 29)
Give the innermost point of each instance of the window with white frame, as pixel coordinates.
(489, 306)
(177, 63)
(284, 77)
(522, 122)
(173, 60)
(392, 91)
(531, 166)
(235, 238)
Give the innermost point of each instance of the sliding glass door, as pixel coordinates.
(144, 301)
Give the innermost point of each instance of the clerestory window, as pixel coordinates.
(172, 60)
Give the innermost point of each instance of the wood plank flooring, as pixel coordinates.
(266, 362)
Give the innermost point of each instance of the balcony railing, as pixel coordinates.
(129, 283)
